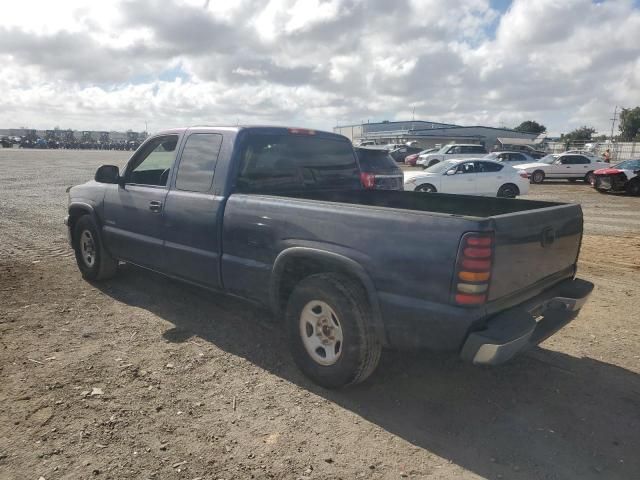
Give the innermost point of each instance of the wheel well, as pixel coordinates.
(511, 185)
(298, 268)
(74, 215)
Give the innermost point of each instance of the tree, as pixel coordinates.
(630, 124)
(582, 134)
(530, 126)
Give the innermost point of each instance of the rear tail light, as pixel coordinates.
(368, 180)
(473, 269)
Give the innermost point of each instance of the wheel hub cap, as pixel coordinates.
(87, 248)
(321, 332)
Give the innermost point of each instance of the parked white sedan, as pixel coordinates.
(469, 177)
(569, 166)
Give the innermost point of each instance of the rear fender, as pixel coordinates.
(333, 262)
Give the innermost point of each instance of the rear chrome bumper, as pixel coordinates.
(527, 324)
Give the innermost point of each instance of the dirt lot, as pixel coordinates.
(142, 377)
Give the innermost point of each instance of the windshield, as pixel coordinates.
(628, 165)
(549, 159)
(441, 167)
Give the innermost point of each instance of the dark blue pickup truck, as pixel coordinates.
(280, 217)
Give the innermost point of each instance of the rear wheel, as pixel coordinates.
(537, 176)
(93, 260)
(590, 178)
(509, 190)
(332, 340)
(426, 188)
(633, 187)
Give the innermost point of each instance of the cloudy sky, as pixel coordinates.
(115, 64)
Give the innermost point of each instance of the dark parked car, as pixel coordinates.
(622, 177)
(279, 216)
(399, 154)
(379, 171)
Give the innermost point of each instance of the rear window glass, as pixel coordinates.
(289, 162)
(371, 160)
(198, 162)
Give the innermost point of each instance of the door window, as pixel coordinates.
(153, 163)
(517, 157)
(198, 162)
(467, 167)
(568, 160)
(580, 160)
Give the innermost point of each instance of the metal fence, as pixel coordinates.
(619, 150)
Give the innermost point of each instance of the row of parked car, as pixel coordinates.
(469, 169)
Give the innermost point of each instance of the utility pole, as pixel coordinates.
(613, 122)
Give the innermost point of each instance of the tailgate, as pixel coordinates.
(532, 245)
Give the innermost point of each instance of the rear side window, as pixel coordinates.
(488, 167)
(198, 162)
(373, 160)
(579, 160)
(291, 162)
(477, 149)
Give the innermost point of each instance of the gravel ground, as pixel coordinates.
(142, 377)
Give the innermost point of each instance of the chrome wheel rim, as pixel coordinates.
(321, 332)
(87, 248)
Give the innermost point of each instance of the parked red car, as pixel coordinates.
(624, 176)
(411, 159)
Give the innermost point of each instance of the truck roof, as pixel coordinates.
(237, 128)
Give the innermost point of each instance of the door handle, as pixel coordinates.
(155, 206)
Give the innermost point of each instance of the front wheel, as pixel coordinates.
(331, 338)
(93, 260)
(633, 187)
(426, 188)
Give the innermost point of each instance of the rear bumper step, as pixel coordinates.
(517, 329)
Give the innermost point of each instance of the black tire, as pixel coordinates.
(589, 178)
(537, 176)
(360, 347)
(426, 188)
(94, 262)
(508, 190)
(633, 187)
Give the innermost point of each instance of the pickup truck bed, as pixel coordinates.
(280, 217)
(397, 238)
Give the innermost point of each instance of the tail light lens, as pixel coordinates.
(368, 180)
(473, 269)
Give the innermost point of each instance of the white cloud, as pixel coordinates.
(104, 65)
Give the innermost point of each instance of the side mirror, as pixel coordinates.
(451, 172)
(107, 174)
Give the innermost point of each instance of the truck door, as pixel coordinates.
(193, 213)
(133, 210)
